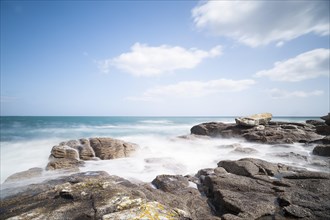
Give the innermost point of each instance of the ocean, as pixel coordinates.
(26, 142)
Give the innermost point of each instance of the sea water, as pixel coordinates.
(26, 142)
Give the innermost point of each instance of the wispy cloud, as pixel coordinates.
(284, 94)
(144, 60)
(193, 89)
(256, 23)
(309, 65)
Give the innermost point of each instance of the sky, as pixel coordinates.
(164, 58)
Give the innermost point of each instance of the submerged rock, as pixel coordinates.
(25, 175)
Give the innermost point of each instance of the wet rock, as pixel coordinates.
(322, 150)
(261, 190)
(292, 156)
(170, 183)
(244, 150)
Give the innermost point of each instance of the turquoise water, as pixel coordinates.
(26, 142)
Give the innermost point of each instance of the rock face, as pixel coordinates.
(254, 120)
(271, 133)
(97, 195)
(256, 189)
(71, 154)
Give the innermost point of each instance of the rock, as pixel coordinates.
(97, 195)
(326, 118)
(170, 183)
(64, 164)
(322, 150)
(71, 154)
(64, 151)
(86, 152)
(244, 150)
(254, 120)
(272, 133)
(243, 168)
(323, 130)
(109, 148)
(25, 175)
(257, 189)
(315, 122)
(208, 129)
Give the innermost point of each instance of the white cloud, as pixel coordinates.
(256, 23)
(282, 94)
(308, 65)
(192, 89)
(144, 60)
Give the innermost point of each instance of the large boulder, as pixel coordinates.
(71, 154)
(254, 120)
(256, 189)
(109, 148)
(97, 195)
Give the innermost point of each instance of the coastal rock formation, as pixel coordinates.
(254, 120)
(97, 195)
(72, 154)
(254, 189)
(271, 133)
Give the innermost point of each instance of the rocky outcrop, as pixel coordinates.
(271, 133)
(97, 195)
(72, 154)
(254, 120)
(256, 189)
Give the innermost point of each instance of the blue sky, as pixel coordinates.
(164, 58)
